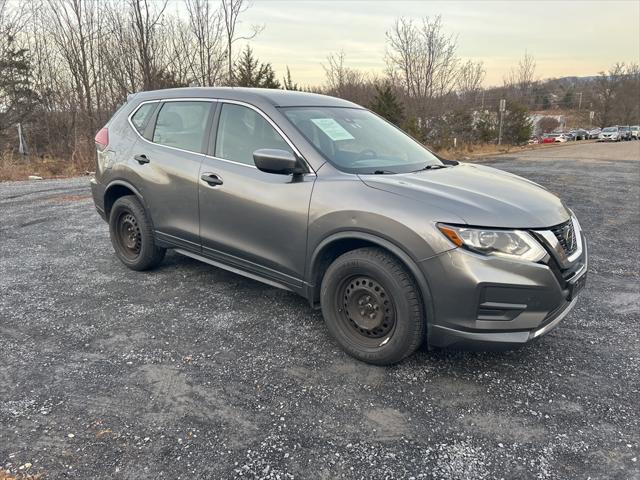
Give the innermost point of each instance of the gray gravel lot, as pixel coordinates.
(192, 372)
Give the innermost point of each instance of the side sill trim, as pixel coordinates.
(232, 269)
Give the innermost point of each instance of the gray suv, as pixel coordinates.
(322, 197)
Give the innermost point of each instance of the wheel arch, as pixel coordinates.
(117, 189)
(339, 243)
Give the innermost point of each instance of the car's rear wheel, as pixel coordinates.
(372, 306)
(132, 235)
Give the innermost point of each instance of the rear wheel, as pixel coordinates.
(372, 306)
(132, 235)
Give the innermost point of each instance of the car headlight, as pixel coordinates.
(514, 244)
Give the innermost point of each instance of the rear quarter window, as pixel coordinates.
(141, 117)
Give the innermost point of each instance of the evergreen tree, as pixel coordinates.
(288, 82)
(17, 99)
(267, 77)
(412, 127)
(247, 69)
(386, 104)
(249, 72)
(568, 99)
(486, 127)
(516, 128)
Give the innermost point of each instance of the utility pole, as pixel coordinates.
(502, 109)
(580, 101)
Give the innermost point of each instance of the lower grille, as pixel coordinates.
(566, 236)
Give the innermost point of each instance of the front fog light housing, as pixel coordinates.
(514, 244)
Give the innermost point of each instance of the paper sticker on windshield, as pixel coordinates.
(333, 129)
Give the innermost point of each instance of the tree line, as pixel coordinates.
(67, 65)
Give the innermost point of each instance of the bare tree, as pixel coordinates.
(11, 22)
(628, 101)
(345, 82)
(146, 18)
(121, 72)
(548, 124)
(207, 27)
(75, 29)
(607, 89)
(521, 79)
(424, 57)
(231, 11)
(469, 81)
(338, 75)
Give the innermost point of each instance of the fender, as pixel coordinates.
(405, 258)
(124, 183)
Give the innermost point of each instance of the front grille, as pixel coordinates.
(566, 237)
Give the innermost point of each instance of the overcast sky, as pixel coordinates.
(566, 37)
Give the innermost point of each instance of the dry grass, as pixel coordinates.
(469, 152)
(475, 150)
(17, 167)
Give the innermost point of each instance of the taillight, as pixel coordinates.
(102, 139)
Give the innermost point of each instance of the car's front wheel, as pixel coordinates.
(372, 306)
(132, 235)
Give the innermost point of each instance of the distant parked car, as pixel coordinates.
(556, 138)
(534, 140)
(610, 134)
(625, 132)
(594, 132)
(635, 132)
(580, 134)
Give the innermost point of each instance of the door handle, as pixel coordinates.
(141, 159)
(212, 179)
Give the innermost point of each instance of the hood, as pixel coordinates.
(482, 196)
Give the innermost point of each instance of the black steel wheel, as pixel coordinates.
(367, 309)
(372, 306)
(132, 234)
(128, 235)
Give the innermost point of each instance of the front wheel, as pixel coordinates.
(372, 306)
(132, 235)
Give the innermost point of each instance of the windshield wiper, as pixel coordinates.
(431, 167)
(383, 172)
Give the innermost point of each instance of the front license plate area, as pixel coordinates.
(576, 286)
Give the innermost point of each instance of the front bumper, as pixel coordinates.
(489, 302)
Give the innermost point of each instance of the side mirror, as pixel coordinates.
(276, 161)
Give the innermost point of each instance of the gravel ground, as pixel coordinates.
(192, 372)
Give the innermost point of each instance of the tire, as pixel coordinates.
(372, 306)
(131, 235)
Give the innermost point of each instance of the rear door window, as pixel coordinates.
(182, 125)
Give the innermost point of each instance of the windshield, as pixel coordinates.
(610, 129)
(359, 141)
